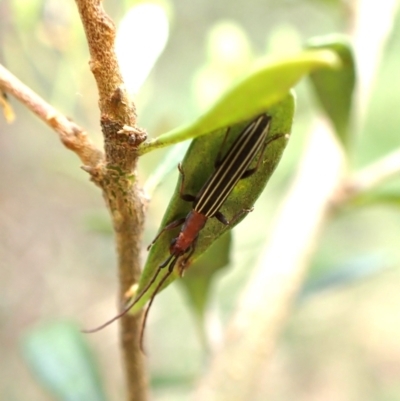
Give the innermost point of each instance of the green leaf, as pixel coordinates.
(262, 88)
(60, 358)
(335, 88)
(198, 279)
(198, 165)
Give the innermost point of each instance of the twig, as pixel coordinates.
(369, 178)
(71, 135)
(121, 192)
(114, 172)
(265, 304)
(114, 102)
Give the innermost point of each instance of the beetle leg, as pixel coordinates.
(183, 264)
(170, 226)
(146, 312)
(185, 197)
(251, 171)
(219, 216)
(219, 158)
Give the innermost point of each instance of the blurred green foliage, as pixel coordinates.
(342, 345)
(335, 89)
(62, 362)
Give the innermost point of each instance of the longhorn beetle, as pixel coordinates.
(229, 169)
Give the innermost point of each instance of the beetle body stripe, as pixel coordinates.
(234, 164)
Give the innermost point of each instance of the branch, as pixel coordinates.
(114, 172)
(369, 178)
(70, 134)
(114, 102)
(124, 197)
(266, 302)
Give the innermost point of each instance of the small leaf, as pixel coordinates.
(62, 362)
(198, 165)
(198, 278)
(334, 88)
(262, 88)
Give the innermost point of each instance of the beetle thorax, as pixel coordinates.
(189, 232)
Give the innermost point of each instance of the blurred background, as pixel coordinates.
(57, 258)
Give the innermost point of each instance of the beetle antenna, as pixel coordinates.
(130, 305)
(137, 298)
(153, 295)
(112, 320)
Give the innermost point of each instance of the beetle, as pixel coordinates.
(228, 170)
